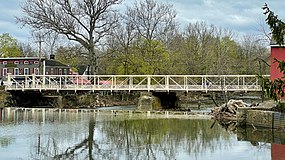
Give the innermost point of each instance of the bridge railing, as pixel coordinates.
(134, 82)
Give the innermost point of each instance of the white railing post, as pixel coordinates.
(60, 82)
(148, 83)
(130, 83)
(186, 84)
(224, 85)
(98, 82)
(33, 81)
(256, 84)
(167, 83)
(113, 83)
(77, 82)
(206, 83)
(202, 83)
(238, 83)
(243, 83)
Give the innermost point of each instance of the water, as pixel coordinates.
(84, 134)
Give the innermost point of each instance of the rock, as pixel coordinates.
(149, 102)
(268, 104)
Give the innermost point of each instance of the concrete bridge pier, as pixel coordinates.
(157, 100)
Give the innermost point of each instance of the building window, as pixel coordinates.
(26, 62)
(36, 71)
(4, 71)
(60, 71)
(65, 71)
(36, 62)
(26, 71)
(4, 62)
(16, 62)
(16, 71)
(51, 71)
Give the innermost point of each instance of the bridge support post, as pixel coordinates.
(148, 102)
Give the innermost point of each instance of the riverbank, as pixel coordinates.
(177, 101)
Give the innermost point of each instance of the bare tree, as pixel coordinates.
(119, 45)
(27, 49)
(84, 21)
(151, 19)
(150, 23)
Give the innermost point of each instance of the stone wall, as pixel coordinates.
(260, 118)
(66, 100)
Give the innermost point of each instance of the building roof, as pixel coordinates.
(273, 43)
(55, 63)
(22, 58)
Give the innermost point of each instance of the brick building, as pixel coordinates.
(31, 65)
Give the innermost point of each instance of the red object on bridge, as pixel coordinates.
(102, 82)
(81, 81)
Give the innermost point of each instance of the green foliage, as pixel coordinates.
(205, 49)
(8, 46)
(191, 53)
(275, 88)
(276, 25)
(144, 57)
(281, 66)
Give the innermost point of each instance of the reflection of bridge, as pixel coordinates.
(134, 83)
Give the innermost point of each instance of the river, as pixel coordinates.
(85, 134)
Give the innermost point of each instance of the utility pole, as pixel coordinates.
(40, 55)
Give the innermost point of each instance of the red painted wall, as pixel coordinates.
(279, 54)
(277, 152)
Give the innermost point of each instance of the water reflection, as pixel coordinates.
(75, 134)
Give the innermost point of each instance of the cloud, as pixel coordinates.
(8, 12)
(239, 16)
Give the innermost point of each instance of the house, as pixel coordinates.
(31, 65)
(53, 67)
(19, 66)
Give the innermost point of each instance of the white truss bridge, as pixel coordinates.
(161, 83)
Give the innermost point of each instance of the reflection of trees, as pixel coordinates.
(88, 136)
(136, 139)
(87, 143)
(148, 138)
(6, 141)
(52, 150)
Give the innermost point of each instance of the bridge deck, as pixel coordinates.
(134, 82)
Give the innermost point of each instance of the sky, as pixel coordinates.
(241, 16)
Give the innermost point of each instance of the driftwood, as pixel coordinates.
(228, 110)
(225, 114)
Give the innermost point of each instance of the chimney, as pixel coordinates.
(51, 57)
